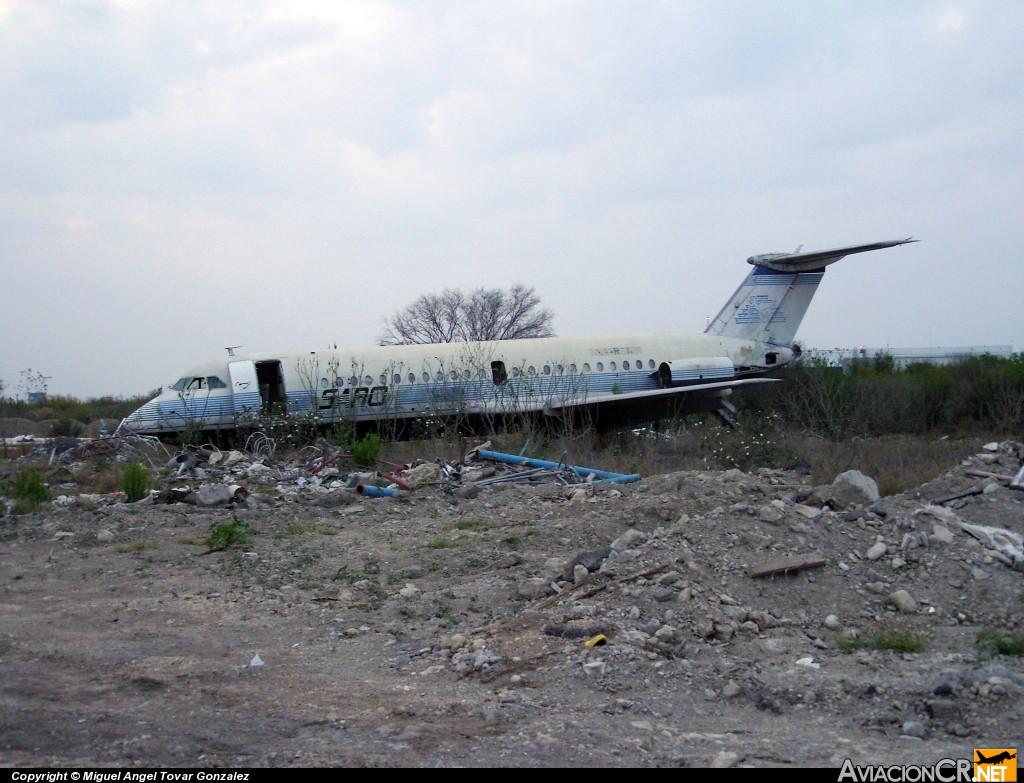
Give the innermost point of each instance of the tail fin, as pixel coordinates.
(769, 305)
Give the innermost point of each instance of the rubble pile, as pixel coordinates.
(714, 618)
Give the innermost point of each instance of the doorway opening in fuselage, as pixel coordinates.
(270, 378)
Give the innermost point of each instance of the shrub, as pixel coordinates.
(366, 451)
(135, 481)
(66, 427)
(992, 641)
(30, 487)
(226, 534)
(886, 639)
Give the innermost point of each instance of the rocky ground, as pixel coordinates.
(528, 625)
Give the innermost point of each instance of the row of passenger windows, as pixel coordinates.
(466, 375)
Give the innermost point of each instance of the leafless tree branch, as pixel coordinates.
(484, 314)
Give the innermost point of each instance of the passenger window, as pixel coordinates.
(586, 368)
(426, 377)
(323, 383)
(466, 375)
(547, 369)
(531, 370)
(515, 372)
(368, 380)
(215, 382)
(561, 369)
(439, 376)
(396, 378)
(353, 381)
(339, 381)
(612, 366)
(454, 375)
(650, 364)
(600, 366)
(572, 369)
(412, 377)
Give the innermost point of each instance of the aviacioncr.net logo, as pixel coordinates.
(995, 764)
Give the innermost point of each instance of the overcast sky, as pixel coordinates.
(176, 177)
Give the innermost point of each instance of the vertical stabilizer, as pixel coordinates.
(770, 304)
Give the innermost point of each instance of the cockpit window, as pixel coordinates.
(190, 384)
(198, 383)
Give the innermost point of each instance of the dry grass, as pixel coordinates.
(134, 545)
(896, 463)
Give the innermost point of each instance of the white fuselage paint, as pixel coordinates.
(410, 381)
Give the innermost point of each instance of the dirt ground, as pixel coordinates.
(423, 630)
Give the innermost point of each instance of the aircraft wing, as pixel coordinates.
(804, 262)
(675, 391)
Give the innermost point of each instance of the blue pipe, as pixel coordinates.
(375, 492)
(609, 478)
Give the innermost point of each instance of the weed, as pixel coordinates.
(992, 641)
(366, 451)
(512, 542)
(226, 534)
(440, 543)
(893, 639)
(759, 441)
(899, 640)
(343, 574)
(31, 487)
(401, 577)
(134, 545)
(341, 434)
(470, 524)
(135, 481)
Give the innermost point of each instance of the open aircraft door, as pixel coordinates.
(245, 390)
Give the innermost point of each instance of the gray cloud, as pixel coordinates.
(177, 177)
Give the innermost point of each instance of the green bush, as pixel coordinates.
(226, 534)
(135, 481)
(31, 487)
(887, 639)
(69, 428)
(870, 397)
(29, 490)
(993, 641)
(366, 451)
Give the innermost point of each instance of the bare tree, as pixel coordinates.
(455, 316)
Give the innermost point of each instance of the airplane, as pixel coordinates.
(1004, 756)
(612, 379)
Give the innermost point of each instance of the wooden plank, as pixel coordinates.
(957, 495)
(786, 565)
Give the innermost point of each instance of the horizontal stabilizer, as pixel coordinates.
(805, 262)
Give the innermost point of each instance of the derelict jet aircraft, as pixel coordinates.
(613, 379)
